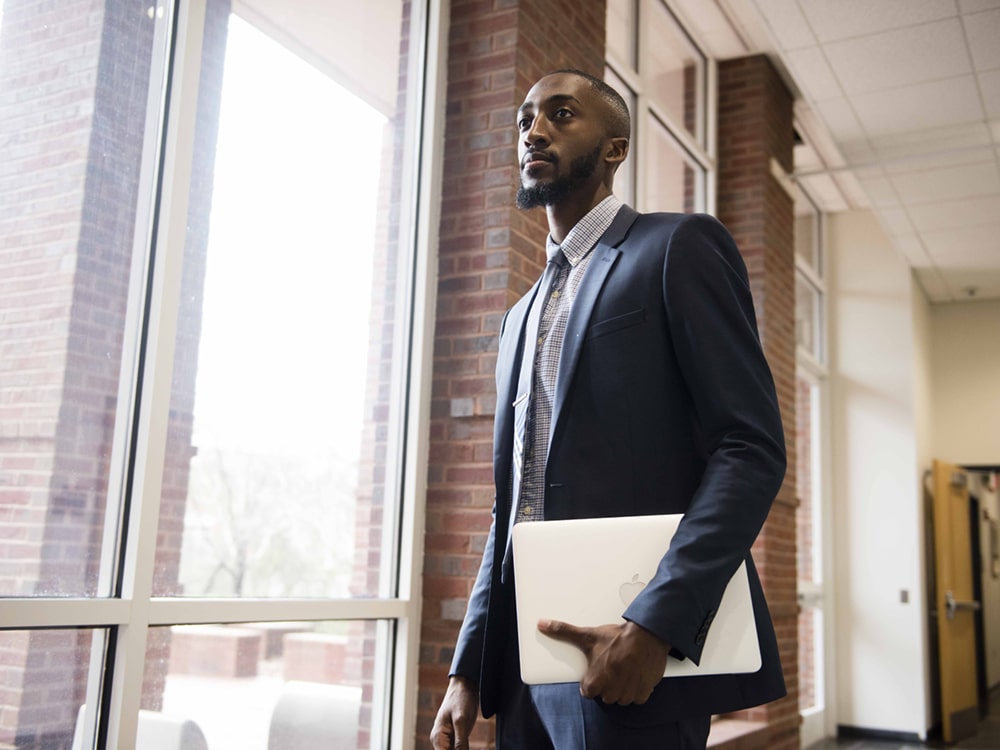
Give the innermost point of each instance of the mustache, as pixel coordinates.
(538, 155)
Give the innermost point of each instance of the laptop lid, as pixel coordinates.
(586, 572)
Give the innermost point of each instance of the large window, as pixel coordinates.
(209, 298)
(664, 77)
(812, 514)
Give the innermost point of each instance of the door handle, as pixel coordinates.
(952, 605)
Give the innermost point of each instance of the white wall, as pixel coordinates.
(878, 523)
(966, 357)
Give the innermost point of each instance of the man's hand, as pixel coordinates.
(457, 715)
(624, 662)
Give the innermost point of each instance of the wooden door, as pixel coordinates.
(954, 604)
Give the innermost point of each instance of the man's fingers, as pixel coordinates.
(582, 638)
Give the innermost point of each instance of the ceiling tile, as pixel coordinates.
(712, 28)
(924, 105)
(929, 149)
(895, 221)
(901, 57)
(813, 75)
(976, 211)
(841, 19)
(947, 183)
(963, 247)
(787, 24)
(840, 120)
(983, 33)
(911, 248)
(974, 6)
(852, 190)
(825, 192)
(880, 191)
(989, 86)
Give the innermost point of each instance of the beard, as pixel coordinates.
(581, 169)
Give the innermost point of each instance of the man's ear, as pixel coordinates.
(616, 151)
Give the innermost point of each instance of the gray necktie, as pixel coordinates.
(522, 404)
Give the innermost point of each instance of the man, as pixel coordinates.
(645, 391)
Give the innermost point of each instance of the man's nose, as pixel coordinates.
(537, 134)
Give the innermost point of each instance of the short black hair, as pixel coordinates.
(619, 121)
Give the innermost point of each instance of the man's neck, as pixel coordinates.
(567, 214)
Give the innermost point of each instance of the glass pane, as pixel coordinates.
(676, 72)
(807, 245)
(285, 381)
(808, 520)
(672, 183)
(44, 679)
(807, 516)
(622, 30)
(808, 320)
(625, 176)
(273, 686)
(73, 111)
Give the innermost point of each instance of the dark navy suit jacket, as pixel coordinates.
(664, 404)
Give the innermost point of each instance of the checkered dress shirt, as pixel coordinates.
(577, 249)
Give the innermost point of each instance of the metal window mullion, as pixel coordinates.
(711, 108)
(110, 549)
(18, 614)
(186, 21)
(191, 611)
(428, 66)
(684, 139)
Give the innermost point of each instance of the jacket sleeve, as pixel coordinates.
(468, 658)
(713, 330)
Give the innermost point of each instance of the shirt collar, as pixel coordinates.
(582, 237)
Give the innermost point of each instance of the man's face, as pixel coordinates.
(561, 139)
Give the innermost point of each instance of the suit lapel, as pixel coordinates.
(606, 252)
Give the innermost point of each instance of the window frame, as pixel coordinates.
(819, 594)
(124, 608)
(701, 155)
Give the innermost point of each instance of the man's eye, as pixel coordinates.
(563, 112)
(524, 123)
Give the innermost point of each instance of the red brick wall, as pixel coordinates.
(489, 254)
(755, 126)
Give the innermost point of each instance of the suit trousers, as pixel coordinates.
(557, 717)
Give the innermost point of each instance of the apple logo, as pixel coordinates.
(629, 591)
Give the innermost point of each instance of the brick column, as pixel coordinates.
(489, 254)
(754, 128)
(73, 83)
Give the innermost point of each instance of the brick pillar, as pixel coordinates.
(72, 108)
(754, 128)
(489, 254)
(73, 82)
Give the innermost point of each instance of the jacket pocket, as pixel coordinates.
(616, 323)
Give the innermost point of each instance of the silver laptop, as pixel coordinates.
(587, 571)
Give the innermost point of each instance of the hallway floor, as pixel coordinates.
(988, 737)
